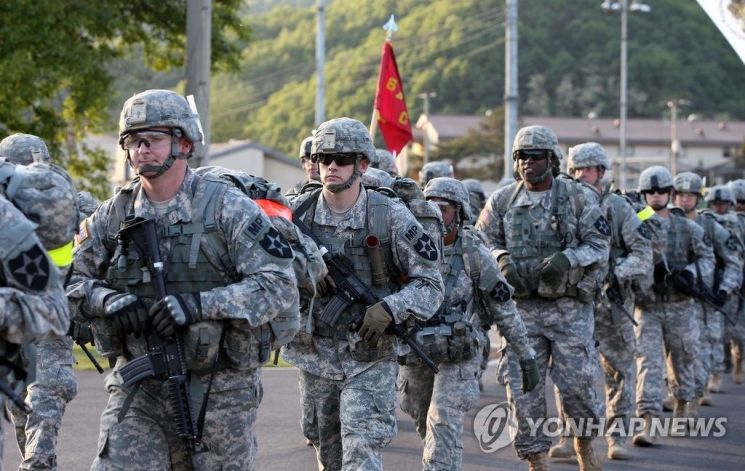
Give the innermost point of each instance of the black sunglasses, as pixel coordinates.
(531, 154)
(340, 159)
(657, 191)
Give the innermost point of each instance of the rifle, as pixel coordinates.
(165, 357)
(613, 293)
(701, 293)
(5, 388)
(350, 289)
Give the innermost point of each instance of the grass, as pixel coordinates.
(82, 363)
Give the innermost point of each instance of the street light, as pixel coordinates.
(624, 8)
(425, 137)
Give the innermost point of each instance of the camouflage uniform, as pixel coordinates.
(630, 260)
(87, 203)
(524, 231)
(667, 317)
(347, 385)
(32, 298)
(238, 279)
(476, 196)
(476, 296)
(55, 383)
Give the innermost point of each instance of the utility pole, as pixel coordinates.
(198, 60)
(674, 141)
(320, 60)
(510, 84)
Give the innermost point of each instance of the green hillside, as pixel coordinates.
(569, 62)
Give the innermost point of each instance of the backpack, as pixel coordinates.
(46, 195)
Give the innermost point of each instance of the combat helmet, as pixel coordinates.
(654, 177)
(721, 193)
(24, 149)
(688, 182)
(305, 147)
(385, 161)
(452, 190)
(588, 154)
(436, 169)
(343, 136)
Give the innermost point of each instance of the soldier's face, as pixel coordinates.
(533, 165)
(337, 170)
(311, 169)
(657, 198)
(589, 175)
(151, 148)
(719, 207)
(687, 201)
(447, 209)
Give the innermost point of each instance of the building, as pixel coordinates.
(706, 147)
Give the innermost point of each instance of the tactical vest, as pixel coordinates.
(355, 251)
(528, 246)
(192, 264)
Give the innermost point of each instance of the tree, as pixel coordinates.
(55, 55)
(478, 154)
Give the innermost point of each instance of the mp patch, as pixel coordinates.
(30, 269)
(275, 244)
(645, 231)
(602, 226)
(426, 248)
(501, 292)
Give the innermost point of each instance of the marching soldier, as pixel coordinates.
(548, 236)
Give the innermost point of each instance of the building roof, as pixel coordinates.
(232, 146)
(606, 131)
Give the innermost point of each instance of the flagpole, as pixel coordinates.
(390, 27)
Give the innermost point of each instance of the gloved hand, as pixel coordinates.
(80, 331)
(509, 271)
(553, 268)
(530, 374)
(325, 286)
(660, 271)
(174, 311)
(377, 318)
(128, 310)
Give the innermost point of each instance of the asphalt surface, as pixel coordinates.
(282, 446)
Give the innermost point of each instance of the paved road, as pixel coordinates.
(282, 446)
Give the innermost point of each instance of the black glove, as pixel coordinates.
(530, 374)
(684, 282)
(128, 310)
(174, 311)
(720, 299)
(509, 271)
(553, 268)
(80, 332)
(660, 272)
(377, 318)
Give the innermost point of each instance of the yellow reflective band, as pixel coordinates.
(62, 256)
(645, 213)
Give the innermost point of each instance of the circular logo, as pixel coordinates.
(495, 426)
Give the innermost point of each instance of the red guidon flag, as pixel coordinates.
(393, 117)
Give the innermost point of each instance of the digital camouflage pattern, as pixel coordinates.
(334, 369)
(439, 402)
(54, 386)
(537, 137)
(87, 204)
(588, 154)
(24, 149)
(154, 108)
(32, 302)
(655, 176)
(343, 135)
(670, 320)
(266, 288)
(386, 162)
(560, 329)
(688, 182)
(436, 169)
(477, 197)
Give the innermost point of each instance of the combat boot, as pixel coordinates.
(537, 462)
(586, 455)
(693, 409)
(645, 438)
(681, 409)
(705, 400)
(715, 383)
(563, 449)
(738, 375)
(617, 448)
(668, 404)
